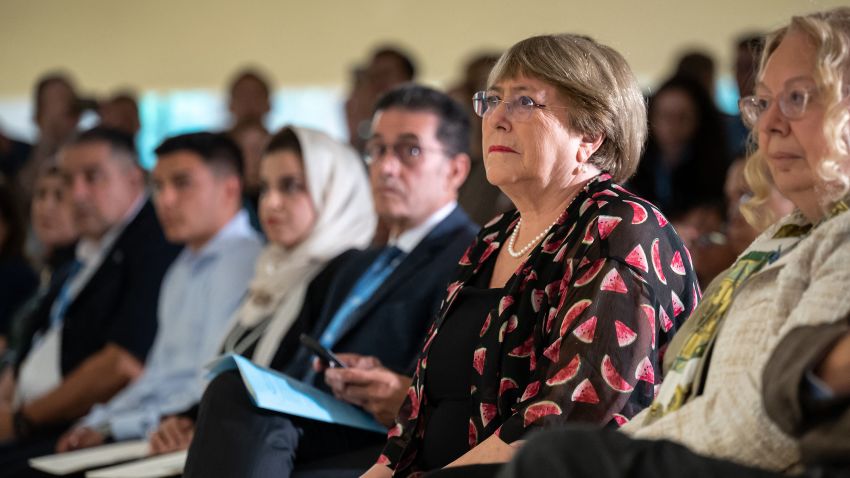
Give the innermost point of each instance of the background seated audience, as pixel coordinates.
(91, 333)
(686, 156)
(747, 53)
(57, 112)
(53, 227)
(249, 96)
(252, 138)
(715, 240)
(315, 204)
(17, 279)
(379, 302)
(52, 220)
(388, 67)
(480, 199)
(198, 197)
(569, 304)
(120, 111)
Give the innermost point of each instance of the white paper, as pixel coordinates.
(154, 467)
(79, 460)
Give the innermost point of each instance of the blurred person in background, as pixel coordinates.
(716, 239)
(120, 111)
(17, 279)
(57, 111)
(685, 160)
(249, 96)
(480, 199)
(91, 332)
(198, 197)
(388, 67)
(747, 52)
(698, 66)
(252, 137)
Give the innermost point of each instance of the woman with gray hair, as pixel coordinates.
(560, 308)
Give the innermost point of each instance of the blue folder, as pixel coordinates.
(278, 392)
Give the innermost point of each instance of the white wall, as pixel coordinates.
(167, 44)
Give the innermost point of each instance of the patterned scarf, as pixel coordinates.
(679, 382)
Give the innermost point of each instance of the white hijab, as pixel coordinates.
(345, 219)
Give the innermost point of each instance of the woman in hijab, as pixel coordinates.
(315, 203)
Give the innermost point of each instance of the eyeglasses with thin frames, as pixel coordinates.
(792, 101)
(519, 109)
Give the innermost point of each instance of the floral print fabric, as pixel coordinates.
(580, 330)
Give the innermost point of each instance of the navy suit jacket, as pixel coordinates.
(392, 324)
(119, 303)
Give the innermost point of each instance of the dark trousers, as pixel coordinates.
(234, 438)
(579, 452)
(14, 458)
(585, 452)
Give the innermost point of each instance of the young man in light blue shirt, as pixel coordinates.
(197, 194)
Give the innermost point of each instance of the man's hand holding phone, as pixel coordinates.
(365, 382)
(325, 356)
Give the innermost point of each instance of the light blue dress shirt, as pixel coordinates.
(200, 292)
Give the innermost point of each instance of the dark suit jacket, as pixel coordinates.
(393, 322)
(119, 303)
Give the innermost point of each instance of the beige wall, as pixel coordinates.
(163, 44)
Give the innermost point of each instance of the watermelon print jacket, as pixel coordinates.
(580, 331)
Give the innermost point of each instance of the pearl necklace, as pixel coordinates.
(521, 252)
(517, 254)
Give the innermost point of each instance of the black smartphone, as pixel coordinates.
(326, 355)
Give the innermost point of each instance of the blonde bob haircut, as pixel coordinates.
(599, 87)
(829, 31)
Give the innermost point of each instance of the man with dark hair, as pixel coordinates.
(91, 333)
(220, 153)
(197, 195)
(250, 94)
(374, 308)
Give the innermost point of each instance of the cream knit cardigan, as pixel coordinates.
(809, 285)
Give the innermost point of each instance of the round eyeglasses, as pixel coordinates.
(792, 102)
(519, 109)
